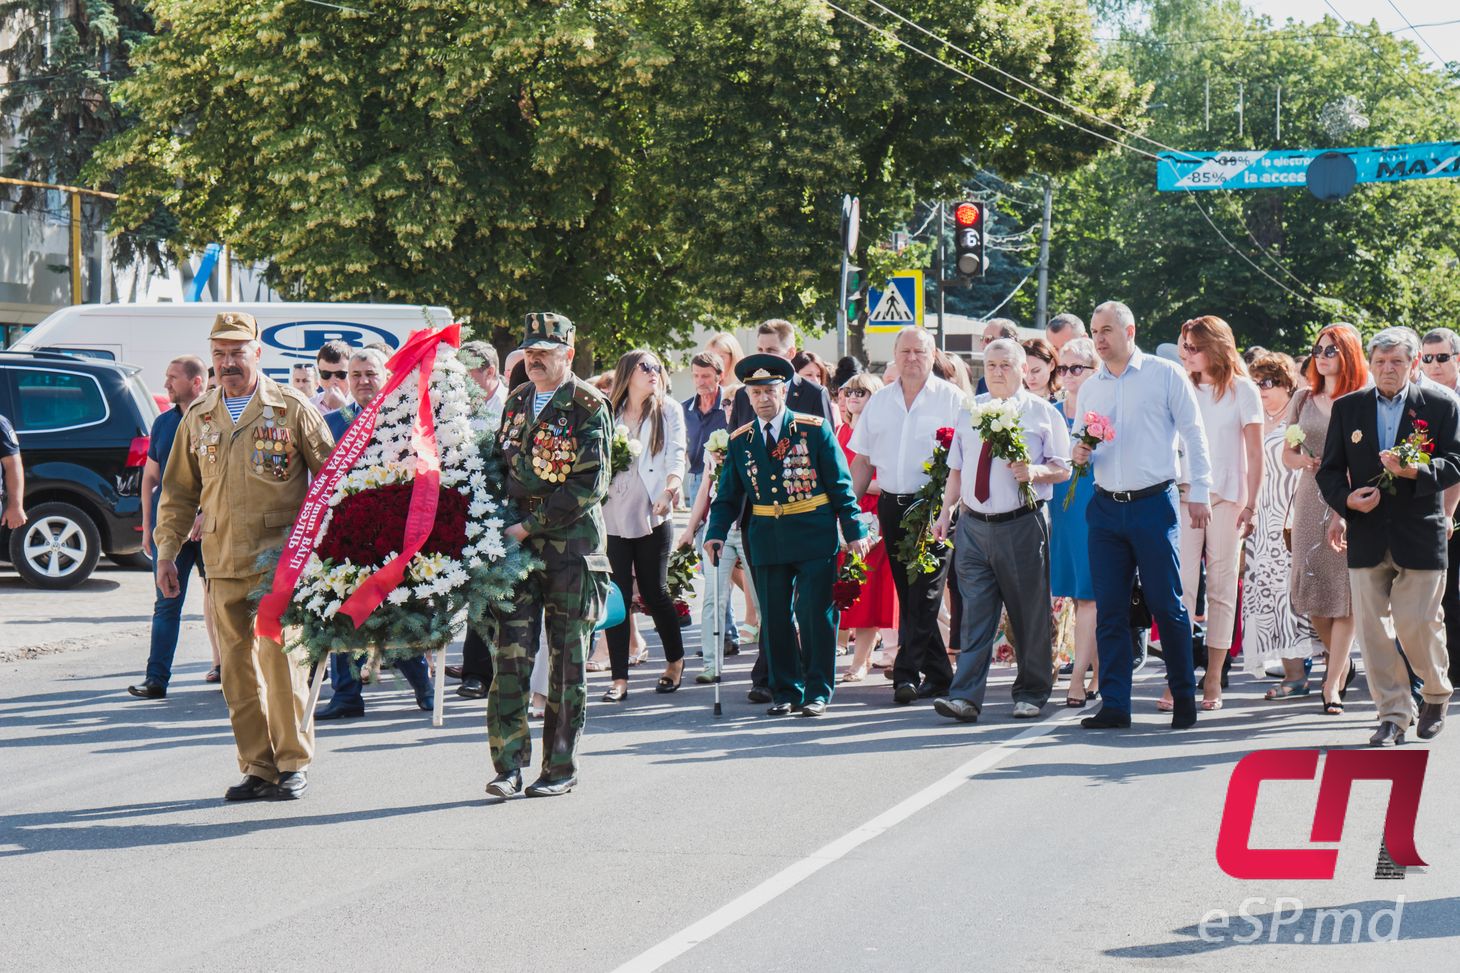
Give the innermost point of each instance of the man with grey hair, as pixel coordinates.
(483, 368)
(894, 437)
(1063, 328)
(1391, 453)
(993, 330)
(1001, 557)
(1133, 516)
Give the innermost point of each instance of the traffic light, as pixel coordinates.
(968, 230)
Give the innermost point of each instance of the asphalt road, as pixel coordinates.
(878, 838)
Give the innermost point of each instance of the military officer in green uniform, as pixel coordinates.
(790, 472)
(554, 437)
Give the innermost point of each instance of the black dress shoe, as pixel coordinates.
(506, 785)
(1107, 719)
(929, 691)
(782, 709)
(455, 672)
(1387, 735)
(731, 648)
(547, 787)
(341, 712)
(148, 690)
(905, 693)
(817, 707)
(472, 688)
(251, 788)
(291, 786)
(1431, 720)
(759, 694)
(1183, 712)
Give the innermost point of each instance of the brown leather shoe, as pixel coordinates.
(1431, 720)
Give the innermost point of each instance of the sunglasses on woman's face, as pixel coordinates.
(1325, 351)
(1440, 357)
(1075, 370)
(855, 393)
(1189, 348)
(649, 367)
(326, 373)
(1268, 383)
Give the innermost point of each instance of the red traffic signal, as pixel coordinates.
(968, 214)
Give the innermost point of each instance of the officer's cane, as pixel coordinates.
(717, 628)
(316, 683)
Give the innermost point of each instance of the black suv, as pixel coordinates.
(83, 426)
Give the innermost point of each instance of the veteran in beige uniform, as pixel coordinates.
(248, 477)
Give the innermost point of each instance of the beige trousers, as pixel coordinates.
(1222, 546)
(266, 692)
(1413, 599)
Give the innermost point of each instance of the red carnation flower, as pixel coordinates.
(944, 437)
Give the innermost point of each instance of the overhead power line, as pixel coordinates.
(1064, 121)
(1415, 30)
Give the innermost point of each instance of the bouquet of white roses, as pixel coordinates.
(998, 425)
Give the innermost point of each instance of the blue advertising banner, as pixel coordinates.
(1288, 168)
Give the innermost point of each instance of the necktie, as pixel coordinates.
(770, 441)
(981, 479)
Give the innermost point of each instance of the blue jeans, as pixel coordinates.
(167, 614)
(345, 678)
(1123, 537)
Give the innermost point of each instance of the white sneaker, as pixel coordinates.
(1025, 711)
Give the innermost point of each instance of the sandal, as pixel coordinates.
(1211, 704)
(215, 674)
(535, 714)
(615, 695)
(598, 665)
(1286, 689)
(641, 658)
(1334, 708)
(853, 675)
(1165, 705)
(748, 632)
(1074, 703)
(667, 685)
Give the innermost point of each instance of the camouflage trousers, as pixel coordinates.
(567, 595)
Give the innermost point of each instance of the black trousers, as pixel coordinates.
(1451, 604)
(645, 559)
(922, 655)
(476, 658)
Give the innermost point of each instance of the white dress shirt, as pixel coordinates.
(1046, 437)
(776, 425)
(1153, 408)
(896, 440)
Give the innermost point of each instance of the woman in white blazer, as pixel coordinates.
(639, 510)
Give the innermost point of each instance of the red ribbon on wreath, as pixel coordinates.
(419, 350)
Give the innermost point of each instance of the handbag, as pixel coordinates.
(1140, 613)
(614, 611)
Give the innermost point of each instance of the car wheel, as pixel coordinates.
(135, 562)
(57, 548)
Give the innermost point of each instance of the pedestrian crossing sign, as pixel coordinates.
(897, 307)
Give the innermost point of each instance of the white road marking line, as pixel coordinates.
(796, 873)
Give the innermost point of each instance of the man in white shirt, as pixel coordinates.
(1132, 517)
(1002, 552)
(895, 436)
(482, 367)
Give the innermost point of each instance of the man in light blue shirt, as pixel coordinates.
(1152, 407)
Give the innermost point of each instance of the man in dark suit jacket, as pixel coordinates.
(1397, 530)
(777, 337)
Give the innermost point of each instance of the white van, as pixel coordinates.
(151, 335)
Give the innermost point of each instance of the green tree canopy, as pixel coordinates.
(636, 165)
(1384, 255)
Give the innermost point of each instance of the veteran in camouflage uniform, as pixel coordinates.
(554, 437)
(247, 473)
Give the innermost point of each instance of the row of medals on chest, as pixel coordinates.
(553, 451)
(798, 476)
(270, 441)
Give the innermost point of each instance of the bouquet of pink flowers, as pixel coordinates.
(1096, 429)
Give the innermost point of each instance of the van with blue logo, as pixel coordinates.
(151, 335)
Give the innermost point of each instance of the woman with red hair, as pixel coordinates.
(1319, 582)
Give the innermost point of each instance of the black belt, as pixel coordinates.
(1126, 496)
(1000, 518)
(902, 498)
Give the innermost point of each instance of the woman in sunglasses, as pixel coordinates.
(1319, 579)
(1272, 633)
(638, 512)
(1069, 558)
(1231, 412)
